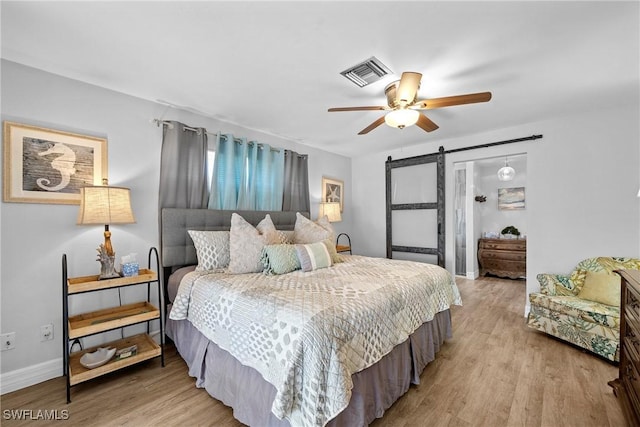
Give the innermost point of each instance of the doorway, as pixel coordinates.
(479, 207)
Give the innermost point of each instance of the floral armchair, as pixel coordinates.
(562, 309)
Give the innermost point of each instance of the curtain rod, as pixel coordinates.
(159, 122)
(441, 149)
(491, 144)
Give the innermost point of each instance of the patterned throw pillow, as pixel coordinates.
(280, 259)
(246, 243)
(307, 231)
(313, 256)
(285, 237)
(212, 249)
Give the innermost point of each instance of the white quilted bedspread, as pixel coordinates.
(307, 333)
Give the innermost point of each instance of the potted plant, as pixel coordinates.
(510, 231)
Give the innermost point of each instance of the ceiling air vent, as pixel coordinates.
(366, 72)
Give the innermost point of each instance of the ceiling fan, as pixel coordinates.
(403, 104)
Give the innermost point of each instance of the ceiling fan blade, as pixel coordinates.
(372, 126)
(449, 101)
(426, 124)
(336, 109)
(408, 87)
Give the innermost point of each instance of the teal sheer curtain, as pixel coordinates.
(228, 170)
(269, 179)
(246, 175)
(247, 188)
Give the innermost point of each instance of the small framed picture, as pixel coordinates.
(50, 166)
(511, 198)
(333, 191)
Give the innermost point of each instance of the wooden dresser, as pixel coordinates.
(503, 257)
(627, 386)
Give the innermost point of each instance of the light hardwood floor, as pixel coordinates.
(493, 372)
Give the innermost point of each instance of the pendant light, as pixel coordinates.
(506, 173)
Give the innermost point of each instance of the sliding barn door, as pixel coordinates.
(415, 208)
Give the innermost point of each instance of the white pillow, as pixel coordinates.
(212, 249)
(246, 243)
(307, 231)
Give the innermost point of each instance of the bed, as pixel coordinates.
(333, 346)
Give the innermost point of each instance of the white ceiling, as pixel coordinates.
(274, 66)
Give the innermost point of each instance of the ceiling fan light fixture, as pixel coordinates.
(403, 103)
(401, 118)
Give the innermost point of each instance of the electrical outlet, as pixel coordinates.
(46, 332)
(8, 341)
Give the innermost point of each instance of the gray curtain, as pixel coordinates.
(296, 182)
(183, 167)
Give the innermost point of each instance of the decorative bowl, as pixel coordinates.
(98, 358)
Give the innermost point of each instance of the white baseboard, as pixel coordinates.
(473, 275)
(25, 377)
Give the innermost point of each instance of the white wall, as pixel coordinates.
(34, 236)
(582, 182)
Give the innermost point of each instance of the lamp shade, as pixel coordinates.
(105, 205)
(331, 210)
(401, 118)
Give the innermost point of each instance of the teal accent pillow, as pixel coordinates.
(313, 256)
(279, 259)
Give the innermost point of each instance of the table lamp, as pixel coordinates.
(105, 205)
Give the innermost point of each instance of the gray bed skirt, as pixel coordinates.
(242, 388)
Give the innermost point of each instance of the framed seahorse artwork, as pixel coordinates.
(50, 166)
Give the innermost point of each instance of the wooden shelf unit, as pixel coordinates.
(99, 321)
(77, 285)
(94, 322)
(147, 349)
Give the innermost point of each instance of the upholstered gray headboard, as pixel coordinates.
(177, 247)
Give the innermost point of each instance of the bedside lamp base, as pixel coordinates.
(107, 264)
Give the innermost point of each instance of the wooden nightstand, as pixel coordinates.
(94, 322)
(343, 248)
